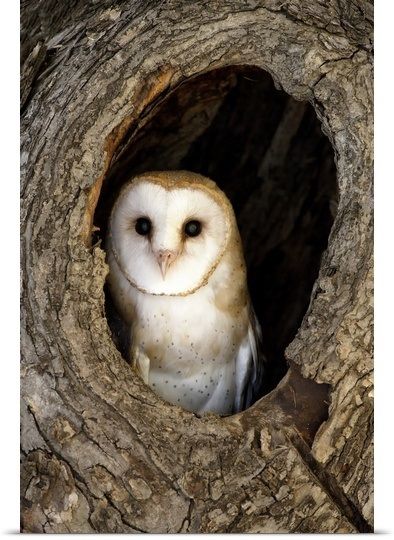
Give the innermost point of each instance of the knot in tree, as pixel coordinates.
(272, 101)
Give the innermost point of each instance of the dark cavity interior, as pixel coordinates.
(268, 153)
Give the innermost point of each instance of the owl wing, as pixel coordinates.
(249, 366)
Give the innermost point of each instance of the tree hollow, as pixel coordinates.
(268, 153)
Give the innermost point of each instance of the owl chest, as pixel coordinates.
(191, 346)
(182, 331)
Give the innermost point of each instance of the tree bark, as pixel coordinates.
(100, 451)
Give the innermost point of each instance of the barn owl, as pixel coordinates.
(178, 279)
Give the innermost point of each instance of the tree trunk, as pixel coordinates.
(105, 85)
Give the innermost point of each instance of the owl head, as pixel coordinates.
(168, 231)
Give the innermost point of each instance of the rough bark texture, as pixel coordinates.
(100, 451)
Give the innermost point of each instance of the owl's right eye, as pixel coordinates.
(143, 226)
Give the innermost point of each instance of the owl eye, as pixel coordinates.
(192, 228)
(143, 226)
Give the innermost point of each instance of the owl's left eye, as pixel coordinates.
(192, 228)
(143, 226)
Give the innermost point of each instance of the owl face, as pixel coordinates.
(168, 237)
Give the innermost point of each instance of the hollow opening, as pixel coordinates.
(267, 152)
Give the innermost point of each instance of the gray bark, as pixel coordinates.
(100, 451)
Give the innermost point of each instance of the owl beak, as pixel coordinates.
(165, 258)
